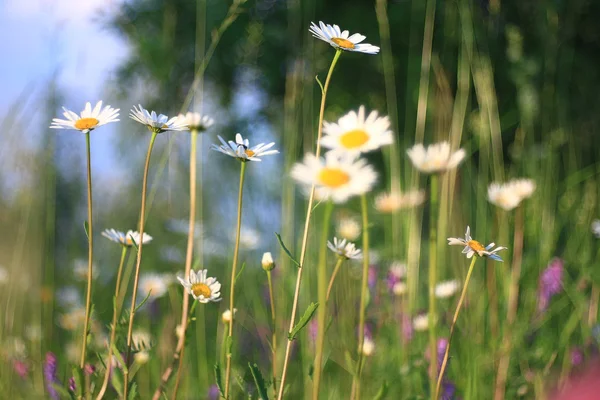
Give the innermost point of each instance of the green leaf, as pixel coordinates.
(119, 358)
(132, 392)
(259, 381)
(133, 242)
(116, 379)
(382, 391)
(144, 301)
(228, 345)
(86, 229)
(64, 393)
(308, 314)
(320, 84)
(219, 379)
(78, 376)
(240, 272)
(350, 364)
(285, 249)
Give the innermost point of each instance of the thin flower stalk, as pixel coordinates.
(88, 296)
(309, 208)
(322, 295)
(336, 269)
(137, 264)
(513, 299)
(233, 274)
(274, 328)
(179, 350)
(113, 328)
(454, 319)
(432, 275)
(355, 394)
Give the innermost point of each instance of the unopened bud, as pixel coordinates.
(226, 317)
(267, 262)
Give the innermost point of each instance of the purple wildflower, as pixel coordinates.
(50, 369)
(213, 392)
(313, 329)
(21, 368)
(372, 280)
(448, 391)
(407, 328)
(442, 344)
(550, 283)
(576, 356)
(72, 386)
(90, 369)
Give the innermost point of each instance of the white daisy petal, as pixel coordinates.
(436, 158)
(88, 120)
(342, 40)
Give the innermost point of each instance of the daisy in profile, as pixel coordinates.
(156, 123)
(509, 195)
(387, 203)
(126, 239)
(344, 249)
(435, 158)
(88, 120)
(196, 122)
(241, 150)
(202, 288)
(355, 134)
(341, 40)
(337, 177)
(474, 247)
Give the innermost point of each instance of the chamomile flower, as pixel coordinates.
(267, 261)
(344, 249)
(196, 122)
(156, 123)
(153, 285)
(342, 40)
(509, 195)
(337, 177)
(446, 289)
(241, 149)
(126, 239)
(394, 201)
(355, 134)
(435, 158)
(202, 288)
(474, 247)
(88, 120)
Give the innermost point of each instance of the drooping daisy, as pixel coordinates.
(390, 202)
(474, 247)
(342, 40)
(344, 249)
(88, 120)
(509, 195)
(126, 239)
(156, 123)
(355, 134)
(446, 289)
(196, 121)
(349, 228)
(202, 288)
(436, 157)
(153, 285)
(241, 150)
(337, 177)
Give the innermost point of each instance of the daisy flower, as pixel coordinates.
(509, 195)
(241, 149)
(344, 249)
(126, 239)
(337, 177)
(202, 288)
(435, 158)
(390, 202)
(341, 39)
(474, 247)
(156, 123)
(421, 322)
(349, 228)
(196, 121)
(355, 134)
(267, 261)
(446, 289)
(153, 285)
(88, 120)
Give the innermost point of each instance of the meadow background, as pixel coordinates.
(513, 83)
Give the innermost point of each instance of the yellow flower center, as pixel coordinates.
(128, 241)
(475, 245)
(86, 123)
(333, 177)
(201, 289)
(249, 153)
(343, 43)
(354, 138)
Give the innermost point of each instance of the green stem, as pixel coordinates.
(274, 341)
(336, 269)
(322, 294)
(454, 319)
(233, 273)
(433, 280)
(113, 328)
(88, 297)
(363, 297)
(311, 198)
(137, 266)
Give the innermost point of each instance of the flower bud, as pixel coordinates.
(267, 262)
(226, 317)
